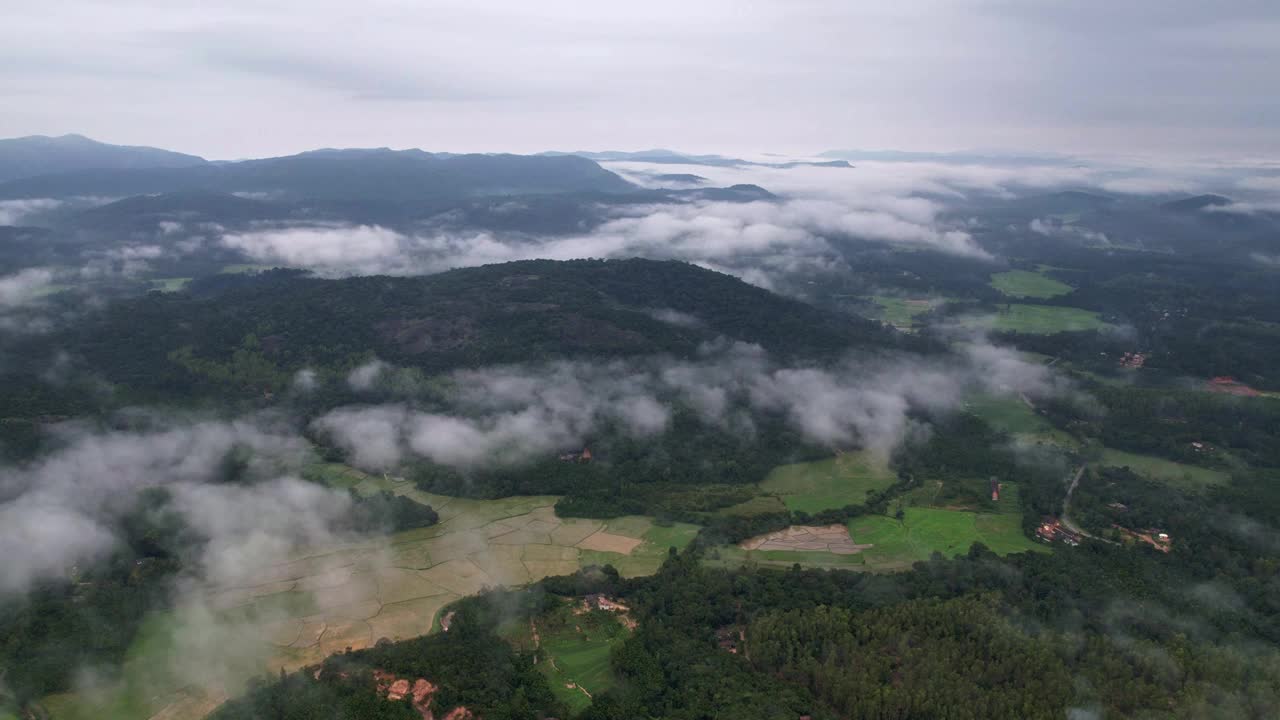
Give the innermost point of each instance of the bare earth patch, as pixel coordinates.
(828, 538)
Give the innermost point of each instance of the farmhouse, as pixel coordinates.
(584, 456)
(1051, 530)
(1133, 360)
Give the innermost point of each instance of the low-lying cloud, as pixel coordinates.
(511, 414)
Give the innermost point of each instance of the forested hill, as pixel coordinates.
(377, 174)
(255, 331)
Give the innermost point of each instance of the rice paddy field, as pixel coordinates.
(1041, 319)
(1025, 283)
(827, 484)
(1179, 475)
(901, 312)
(294, 614)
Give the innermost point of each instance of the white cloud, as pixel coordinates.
(24, 286)
(502, 415)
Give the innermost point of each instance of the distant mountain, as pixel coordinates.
(381, 175)
(1066, 202)
(953, 158)
(1196, 203)
(189, 206)
(733, 193)
(42, 155)
(680, 178)
(670, 157)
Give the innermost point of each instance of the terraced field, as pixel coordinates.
(291, 615)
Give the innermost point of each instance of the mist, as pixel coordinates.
(512, 414)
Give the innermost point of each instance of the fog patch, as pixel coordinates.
(511, 414)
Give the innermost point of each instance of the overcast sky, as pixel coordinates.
(237, 78)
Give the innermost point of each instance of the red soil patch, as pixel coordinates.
(1230, 386)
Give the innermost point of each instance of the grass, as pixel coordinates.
(896, 544)
(734, 556)
(1025, 283)
(1180, 475)
(1008, 414)
(758, 505)
(335, 475)
(1045, 319)
(901, 312)
(827, 484)
(575, 650)
(923, 531)
(648, 556)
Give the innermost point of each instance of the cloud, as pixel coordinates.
(305, 380)
(506, 415)
(365, 376)
(24, 286)
(1054, 228)
(674, 317)
(58, 511)
(362, 249)
(14, 212)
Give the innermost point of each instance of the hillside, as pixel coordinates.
(538, 310)
(42, 155)
(380, 174)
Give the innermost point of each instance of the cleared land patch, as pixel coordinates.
(827, 484)
(800, 538)
(1181, 475)
(1025, 283)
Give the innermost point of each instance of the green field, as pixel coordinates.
(1014, 416)
(827, 484)
(1180, 475)
(1008, 414)
(1043, 319)
(734, 556)
(901, 312)
(575, 647)
(169, 284)
(898, 543)
(648, 556)
(1024, 283)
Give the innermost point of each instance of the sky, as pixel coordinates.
(244, 78)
